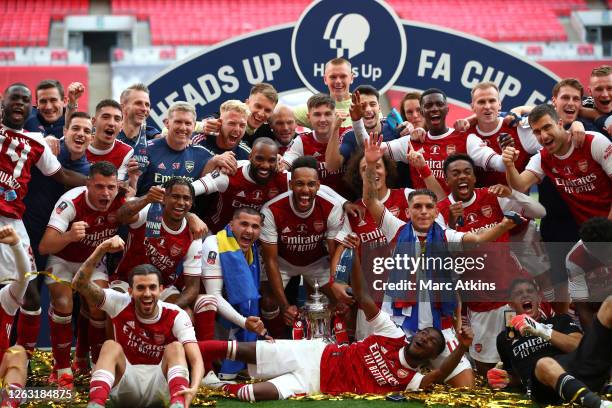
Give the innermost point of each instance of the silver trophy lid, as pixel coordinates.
(318, 301)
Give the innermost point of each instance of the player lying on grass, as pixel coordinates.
(550, 356)
(383, 362)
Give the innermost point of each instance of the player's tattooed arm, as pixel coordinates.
(82, 282)
(373, 153)
(128, 213)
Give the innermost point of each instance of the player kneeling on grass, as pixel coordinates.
(550, 357)
(383, 362)
(153, 339)
(14, 360)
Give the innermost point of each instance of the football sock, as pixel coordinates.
(82, 341)
(178, 380)
(243, 392)
(61, 338)
(573, 390)
(204, 312)
(28, 328)
(97, 336)
(100, 386)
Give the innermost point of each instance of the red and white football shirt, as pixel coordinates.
(19, 151)
(307, 144)
(74, 206)
(524, 141)
(118, 154)
(396, 201)
(374, 365)
(436, 149)
(583, 176)
(166, 253)
(301, 236)
(238, 190)
(143, 340)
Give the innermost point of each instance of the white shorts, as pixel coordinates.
(318, 270)
(122, 286)
(65, 271)
(8, 270)
(486, 326)
(293, 366)
(364, 329)
(142, 385)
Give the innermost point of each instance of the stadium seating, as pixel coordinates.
(27, 23)
(210, 21)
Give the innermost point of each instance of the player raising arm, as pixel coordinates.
(153, 339)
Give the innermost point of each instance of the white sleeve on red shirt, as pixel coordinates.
(295, 150)
(382, 325)
(397, 149)
(336, 224)
(122, 171)
(64, 212)
(183, 328)
(192, 264)
(212, 276)
(535, 166)
(47, 163)
(114, 302)
(522, 204)
(390, 225)
(527, 138)
(269, 235)
(601, 150)
(211, 183)
(483, 155)
(142, 217)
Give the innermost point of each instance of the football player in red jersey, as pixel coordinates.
(105, 146)
(19, 151)
(173, 246)
(146, 364)
(83, 217)
(583, 176)
(13, 360)
(384, 362)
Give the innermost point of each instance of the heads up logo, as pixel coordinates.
(367, 33)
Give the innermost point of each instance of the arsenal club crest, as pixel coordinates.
(212, 256)
(189, 166)
(318, 226)
(175, 250)
(401, 373)
(487, 211)
(272, 192)
(451, 149)
(583, 166)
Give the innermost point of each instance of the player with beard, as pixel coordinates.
(297, 224)
(325, 123)
(283, 124)
(581, 175)
(442, 141)
(175, 253)
(477, 209)
(256, 182)
(20, 151)
(105, 146)
(83, 218)
(233, 123)
(386, 361)
(154, 340)
(13, 360)
(549, 357)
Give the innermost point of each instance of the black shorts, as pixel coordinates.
(590, 363)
